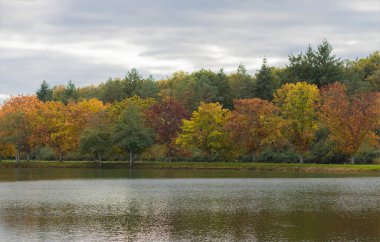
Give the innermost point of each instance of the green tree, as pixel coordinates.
(131, 133)
(148, 89)
(96, 139)
(45, 92)
(133, 81)
(71, 93)
(264, 85)
(318, 67)
(112, 91)
(241, 83)
(206, 86)
(363, 75)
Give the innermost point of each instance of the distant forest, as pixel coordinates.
(318, 108)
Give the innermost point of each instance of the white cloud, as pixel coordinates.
(88, 41)
(3, 97)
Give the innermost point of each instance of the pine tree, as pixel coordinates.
(45, 92)
(264, 85)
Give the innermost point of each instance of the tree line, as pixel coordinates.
(317, 108)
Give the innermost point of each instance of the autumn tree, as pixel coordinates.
(254, 125)
(298, 104)
(131, 133)
(166, 119)
(79, 115)
(16, 117)
(205, 131)
(52, 128)
(6, 150)
(351, 120)
(117, 108)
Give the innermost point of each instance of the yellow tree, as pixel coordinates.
(80, 115)
(205, 132)
(298, 104)
(254, 125)
(351, 120)
(16, 117)
(52, 127)
(117, 108)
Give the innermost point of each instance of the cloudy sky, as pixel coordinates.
(88, 41)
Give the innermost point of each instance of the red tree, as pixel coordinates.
(166, 119)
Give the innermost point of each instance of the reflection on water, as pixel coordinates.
(14, 174)
(265, 209)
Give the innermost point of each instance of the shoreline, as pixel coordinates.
(282, 167)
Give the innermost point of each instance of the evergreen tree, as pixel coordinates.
(112, 91)
(71, 93)
(264, 85)
(241, 83)
(133, 82)
(45, 92)
(318, 67)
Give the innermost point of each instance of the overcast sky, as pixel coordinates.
(88, 41)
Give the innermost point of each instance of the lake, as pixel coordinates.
(200, 205)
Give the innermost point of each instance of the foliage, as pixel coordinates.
(45, 92)
(16, 123)
(131, 133)
(350, 119)
(298, 104)
(117, 108)
(241, 83)
(205, 131)
(264, 84)
(318, 67)
(166, 119)
(52, 127)
(363, 75)
(132, 83)
(254, 125)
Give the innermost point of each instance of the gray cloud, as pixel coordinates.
(88, 41)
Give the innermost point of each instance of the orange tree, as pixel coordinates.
(254, 125)
(351, 120)
(80, 115)
(16, 128)
(52, 128)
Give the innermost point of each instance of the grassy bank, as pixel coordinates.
(200, 165)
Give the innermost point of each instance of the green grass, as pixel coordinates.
(199, 165)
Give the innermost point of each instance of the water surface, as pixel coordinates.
(109, 205)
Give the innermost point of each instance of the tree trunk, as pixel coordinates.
(18, 155)
(253, 157)
(27, 156)
(352, 160)
(60, 156)
(130, 159)
(100, 161)
(300, 158)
